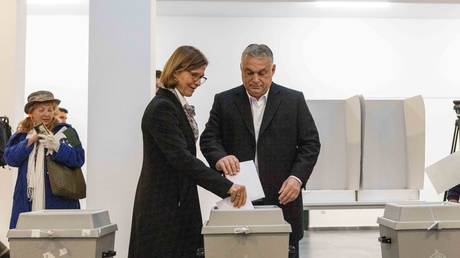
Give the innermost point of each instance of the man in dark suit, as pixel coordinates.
(270, 124)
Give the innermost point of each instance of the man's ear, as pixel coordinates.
(273, 68)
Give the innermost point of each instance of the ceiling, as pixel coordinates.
(305, 1)
(437, 9)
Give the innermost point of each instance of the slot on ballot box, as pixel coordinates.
(258, 233)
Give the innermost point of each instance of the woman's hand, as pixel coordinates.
(50, 142)
(32, 138)
(238, 195)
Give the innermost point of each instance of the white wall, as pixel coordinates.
(120, 85)
(396, 52)
(57, 57)
(12, 31)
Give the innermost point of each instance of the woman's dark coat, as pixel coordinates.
(167, 218)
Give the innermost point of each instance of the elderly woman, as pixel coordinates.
(167, 219)
(27, 150)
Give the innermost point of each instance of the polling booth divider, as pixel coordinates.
(372, 152)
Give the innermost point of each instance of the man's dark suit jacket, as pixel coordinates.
(288, 142)
(167, 218)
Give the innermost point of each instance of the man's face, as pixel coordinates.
(257, 74)
(62, 117)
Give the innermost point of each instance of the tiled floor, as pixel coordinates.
(340, 244)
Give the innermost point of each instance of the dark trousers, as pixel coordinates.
(296, 253)
(292, 243)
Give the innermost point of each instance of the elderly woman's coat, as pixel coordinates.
(166, 218)
(17, 155)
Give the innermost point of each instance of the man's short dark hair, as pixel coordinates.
(63, 110)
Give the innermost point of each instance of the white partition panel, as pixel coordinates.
(336, 175)
(414, 113)
(339, 127)
(384, 145)
(12, 61)
(393, 150)
(329, 116)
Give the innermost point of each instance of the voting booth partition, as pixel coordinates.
(63, 233)
(378, 149)
(339, 127)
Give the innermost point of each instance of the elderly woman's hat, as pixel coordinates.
(39, 97)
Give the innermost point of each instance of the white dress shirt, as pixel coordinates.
(258, 109)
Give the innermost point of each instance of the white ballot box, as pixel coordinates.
(63, 234)
(258, 233)
(420, 229)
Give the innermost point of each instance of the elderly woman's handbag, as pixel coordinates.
(66, 182)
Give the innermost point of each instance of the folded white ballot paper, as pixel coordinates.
(226, 204)
(445, 173)
(248, 177)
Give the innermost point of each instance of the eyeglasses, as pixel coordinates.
(200, 79)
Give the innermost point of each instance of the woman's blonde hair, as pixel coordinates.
(27, 124)
(184, 58)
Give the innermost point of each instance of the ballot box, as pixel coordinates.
(258, 233)
(63, 234)
(420, 229)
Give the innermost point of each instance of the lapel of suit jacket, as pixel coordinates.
(273, 102)
(242, 103)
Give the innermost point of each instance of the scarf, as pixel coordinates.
(36, 172)
(36, 175)
(189, 111)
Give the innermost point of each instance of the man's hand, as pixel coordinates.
(229, 164)
(289, 190)
(238, 195)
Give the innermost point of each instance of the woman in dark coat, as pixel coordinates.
(27, 150)
(167, 218)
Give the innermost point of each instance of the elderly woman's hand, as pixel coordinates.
(32, 138)
(238, 195)
(50, 142)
